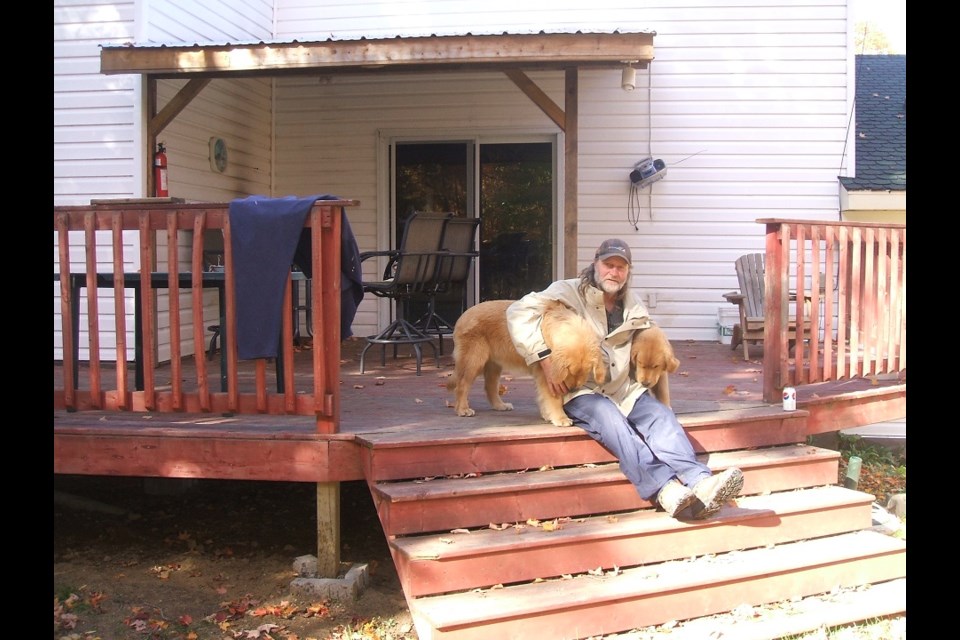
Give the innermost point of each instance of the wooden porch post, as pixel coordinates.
(328, 529)
(571, 173)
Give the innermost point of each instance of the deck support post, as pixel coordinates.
(328, 529)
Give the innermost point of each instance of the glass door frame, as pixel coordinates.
(386, 196)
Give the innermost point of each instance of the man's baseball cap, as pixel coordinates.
(614, 247)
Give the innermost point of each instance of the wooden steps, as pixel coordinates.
(394, 455)
(441, 504)
(512, 547)
(447, 562)
(616, 601)
(787, 619)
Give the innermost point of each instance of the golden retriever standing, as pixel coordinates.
(481, 343)
(652, 361)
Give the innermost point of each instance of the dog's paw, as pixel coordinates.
(503, 406)
(466, 413)
(562, 422)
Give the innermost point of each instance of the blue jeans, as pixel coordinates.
(650, 443)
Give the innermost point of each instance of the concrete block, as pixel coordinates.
(897, 505)
(306, 566)
(349, 585)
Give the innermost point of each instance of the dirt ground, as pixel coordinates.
(137, 559)
(210, 560)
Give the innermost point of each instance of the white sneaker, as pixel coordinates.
(674, 497)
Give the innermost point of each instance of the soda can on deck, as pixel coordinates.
(789, 399)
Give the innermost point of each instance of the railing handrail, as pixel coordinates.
(78, 225)
(848, 284)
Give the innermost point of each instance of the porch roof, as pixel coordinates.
(456, 52)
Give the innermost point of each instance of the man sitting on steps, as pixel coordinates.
(644, 434)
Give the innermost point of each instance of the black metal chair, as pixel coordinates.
(459, 249)
(410, 272)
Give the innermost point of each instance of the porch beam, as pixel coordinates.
(177, 104)
(538, 97)
(427, 53)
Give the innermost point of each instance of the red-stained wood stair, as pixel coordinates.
(537, 534)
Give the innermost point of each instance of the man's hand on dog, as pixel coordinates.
(557, 387)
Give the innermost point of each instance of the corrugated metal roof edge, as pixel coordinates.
(335, 38)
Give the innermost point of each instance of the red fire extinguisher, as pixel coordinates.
(160, 172)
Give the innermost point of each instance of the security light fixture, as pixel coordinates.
(628, 77)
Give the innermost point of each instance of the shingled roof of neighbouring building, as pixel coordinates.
(881, 124)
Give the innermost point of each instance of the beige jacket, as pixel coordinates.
(523, 322)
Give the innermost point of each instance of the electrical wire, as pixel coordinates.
(633, 197)
(850, 122)
(633, 206)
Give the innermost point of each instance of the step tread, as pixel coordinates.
(563, 595)
(512, 428)
(790, 618)
(449, 546)
(508, 482)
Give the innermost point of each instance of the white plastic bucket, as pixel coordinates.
(726, 319)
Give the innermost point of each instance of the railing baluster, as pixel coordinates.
(196, 300)
(326, 231)
(812, 311)
(902, 307)
(67, 320)
(230, 343)
(829, 262)
(120, 311)
(93, 310)
(173, 278)
(286, 349)
(147, 312)
(897, 288)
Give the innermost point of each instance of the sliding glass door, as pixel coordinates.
(509, 185)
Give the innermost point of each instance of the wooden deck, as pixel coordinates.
(391, 402)
(791, 534)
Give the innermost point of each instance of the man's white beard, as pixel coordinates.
(611, 286)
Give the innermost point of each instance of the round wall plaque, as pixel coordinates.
(218, 154)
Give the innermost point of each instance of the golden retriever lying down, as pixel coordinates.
(481, 343)
(652, 361)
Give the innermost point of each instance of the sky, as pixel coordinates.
(889, 15)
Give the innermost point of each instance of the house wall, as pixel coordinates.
(747, 105)
(873, 206)
(99, 128)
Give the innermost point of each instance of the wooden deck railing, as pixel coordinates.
(851, 279)
(90, 253)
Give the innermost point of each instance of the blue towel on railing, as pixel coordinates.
(351, 279)
(351, 274)
(264, 235)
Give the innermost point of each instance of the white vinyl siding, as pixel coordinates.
(98, 132)
(748, 105)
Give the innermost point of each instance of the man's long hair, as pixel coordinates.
(588, 278)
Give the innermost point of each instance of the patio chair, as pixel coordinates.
(750, 274)
(458, 246)
(410, 272)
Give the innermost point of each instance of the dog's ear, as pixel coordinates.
(661, 390)
(600, 370)
(672, 364)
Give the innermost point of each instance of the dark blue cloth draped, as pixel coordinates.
(351, 273)
(265, 236)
